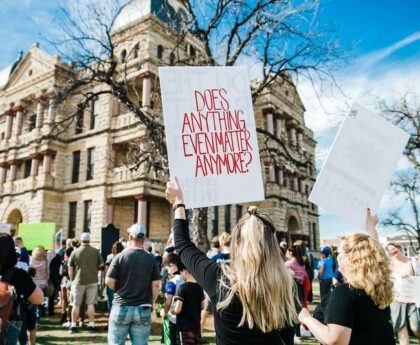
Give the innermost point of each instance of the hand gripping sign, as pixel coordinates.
(211, 134)
(358, 168)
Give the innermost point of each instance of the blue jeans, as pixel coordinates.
(12, 331)
(110, 298)
(133, 320)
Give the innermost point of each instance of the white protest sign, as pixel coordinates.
(6, 228)
(359, 166)
(407, 289)
(211, 135)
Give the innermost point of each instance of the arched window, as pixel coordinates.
(172, 59)
(123, 55)
(136, 51)
(159, 52)
(192, 52)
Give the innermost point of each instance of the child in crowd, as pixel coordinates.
(189, 301)
(173, 264)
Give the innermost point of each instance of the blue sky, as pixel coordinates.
(385, 62)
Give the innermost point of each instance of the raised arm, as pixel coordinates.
(204, 270)
(371, 222)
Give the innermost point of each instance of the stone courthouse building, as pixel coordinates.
(80, 180)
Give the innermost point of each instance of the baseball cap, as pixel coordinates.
(326, 250)
(85, 237)
(138, 231)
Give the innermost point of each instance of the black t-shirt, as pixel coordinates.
(352, 308)
(191, 295)
(208, 274)
(21, 281)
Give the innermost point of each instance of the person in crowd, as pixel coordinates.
(405, 314)
(223, 255)
(25, 288)
(62, 248)
(296, 265)
(83, 267)
(117, 248)
(214, 247)
(174, 265)
(189, 300)
(358, 311)
(283, 250)
(20, 264)
(325, 272)
(158, 259)
(308, 262)
(55, 279)
(252, 297)
(133, 297)
(24, 255)
(65, 285)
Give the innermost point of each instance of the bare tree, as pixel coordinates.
(405, 113)
(281, 38)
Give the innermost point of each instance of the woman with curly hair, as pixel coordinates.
(253, 297)
(358, 310)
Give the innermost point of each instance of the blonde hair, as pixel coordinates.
(39, 253)
(369, 268)
(257, 275)
(224, 239)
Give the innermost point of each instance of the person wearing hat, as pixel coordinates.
(83, 267)
(325, 272)
(134, 276)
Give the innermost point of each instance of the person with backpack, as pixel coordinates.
(16, 287)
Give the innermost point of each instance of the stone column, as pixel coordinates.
(269, 123)
(300, 140)
(34, 165)
(293, 136)
(280, 176)
(279, 124)
(51, 111)
(110, 207)
(13, 169)
(19, 119)
(48, 156)
(141, 210)
(39, 112)
(302, 186)
(3, 172)
(9, 124)
(146, 92)
(295, 183)
(271, 174)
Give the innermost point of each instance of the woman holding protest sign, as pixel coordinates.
(405, 314)
(26, 290)
(244, 293)
(358, 311)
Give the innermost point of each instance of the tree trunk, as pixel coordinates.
(199, 221)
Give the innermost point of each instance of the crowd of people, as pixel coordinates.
(256, 286)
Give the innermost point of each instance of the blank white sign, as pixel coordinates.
(359, 166)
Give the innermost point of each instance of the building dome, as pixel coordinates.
(136, 9)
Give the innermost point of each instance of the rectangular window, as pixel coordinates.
(227, 218)
(76, 167)
(72, 219)
(87, 216)
(32, 122)
(314, 239)
(90, 164)
(79, 119)
(239, 211)
(215, 222)
(93, 113)
(27, 168)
